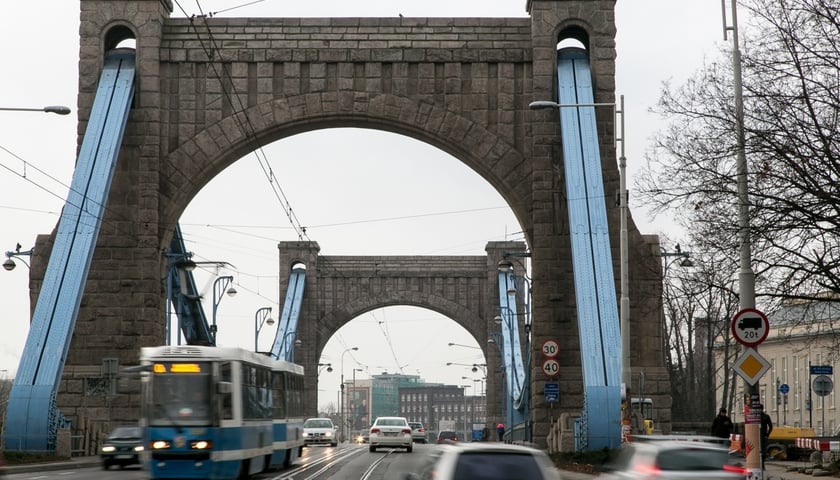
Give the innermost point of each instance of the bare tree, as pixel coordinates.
(791, 78)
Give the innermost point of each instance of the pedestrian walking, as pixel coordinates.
(722, 425)
(766, 430)
(500, 430)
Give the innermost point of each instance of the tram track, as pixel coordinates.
(326, 467)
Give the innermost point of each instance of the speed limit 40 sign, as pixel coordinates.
(550, 367)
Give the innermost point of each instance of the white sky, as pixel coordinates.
(337, 181)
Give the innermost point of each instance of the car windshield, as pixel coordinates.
(415, 425)
(317, 423)
(496, 466)
(120, 433)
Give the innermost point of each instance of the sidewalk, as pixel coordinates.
(75, 462)
(772, 471)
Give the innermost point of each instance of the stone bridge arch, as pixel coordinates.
(221, 144)
(341, 288)
(461, 84)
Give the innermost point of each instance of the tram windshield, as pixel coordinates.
(181, 394)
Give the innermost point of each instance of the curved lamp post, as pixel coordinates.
(10, 264)
(220, 285)
(263, 316)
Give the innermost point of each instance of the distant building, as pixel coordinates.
(802, 335)
(410, 396)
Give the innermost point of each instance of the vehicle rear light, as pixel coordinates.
(406, 430)
(736, 469)
(374, 430)
(421, 430)
(648, 471)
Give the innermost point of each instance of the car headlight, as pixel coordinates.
(138, 448)
(305, 434)
(108, 448)
(328, 434)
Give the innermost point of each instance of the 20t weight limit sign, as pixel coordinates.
(750, 327)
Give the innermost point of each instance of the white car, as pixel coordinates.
(486, 461)
(391, 432)
(317, 431)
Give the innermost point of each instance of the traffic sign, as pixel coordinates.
(822, 385)
(550, 348)
(552, 392)
(750, 327)
(551, 367)
(751, 366)
(784, 388)
(821, 369)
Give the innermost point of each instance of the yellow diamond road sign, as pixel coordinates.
(751, 366)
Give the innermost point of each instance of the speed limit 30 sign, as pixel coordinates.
(750, 327)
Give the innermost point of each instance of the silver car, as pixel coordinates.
(391, 432)
(675, 459)
(485, 461)
(418, 433)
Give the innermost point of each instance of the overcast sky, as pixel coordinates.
(359, 192)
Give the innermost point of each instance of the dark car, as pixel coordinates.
(123, 447)
(447, 436)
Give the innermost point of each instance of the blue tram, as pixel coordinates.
(219, 412)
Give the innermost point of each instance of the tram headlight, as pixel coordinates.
(201, 444)
(160, 445)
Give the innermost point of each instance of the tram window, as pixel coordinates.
(225, 375)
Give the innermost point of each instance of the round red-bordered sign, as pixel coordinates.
(550, 348)
(750, 327)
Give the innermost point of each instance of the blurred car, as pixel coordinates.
(362, 436)
(123, 447)
(391, 432)
(447, 436)
(675, 459)
(418, 433)
(485, 461)
(319, 431)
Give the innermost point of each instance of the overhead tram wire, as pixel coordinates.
(246, 128)
(66, 201)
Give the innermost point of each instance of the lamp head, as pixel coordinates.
(269, 321)
(9, 264)
(231, 292)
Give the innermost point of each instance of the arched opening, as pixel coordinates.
(405, 361)
(120, 36)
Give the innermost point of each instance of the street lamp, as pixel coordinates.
(475, 366)
(453, 344)
(746, 275)
(220, 285)
(342, 390)
(322, 366)
(56, 109)
(466, 429)
(290, 353)
(624, 268)
(261, 317)
(10, 264)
